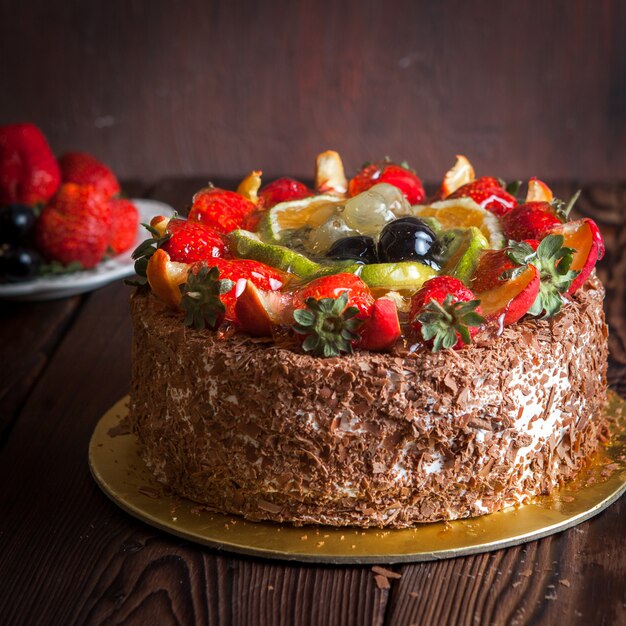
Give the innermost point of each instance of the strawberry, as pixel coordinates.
(29, 173)
(75, 226)
(506, 284)
(329, 311)
(223, 210)
(488, 193)
(536, 219)
(282, 190)
(187, 241)
(584, 237)
(446, 313)
(381, 330)
(124, 224)
(400, 176)
(84, 169)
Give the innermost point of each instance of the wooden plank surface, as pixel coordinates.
(69, 556)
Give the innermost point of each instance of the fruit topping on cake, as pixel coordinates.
(57, 216)
(370, 263)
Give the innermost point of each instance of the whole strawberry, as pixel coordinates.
(124, 224)
(445, 312)
(400, 176)
(222, 209)
(189, 241)
(329, 311)
(282, 190)
(75, 226)
(84, 169)
(29, 173)
(488, 193)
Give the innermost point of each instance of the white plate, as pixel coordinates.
(64, 285)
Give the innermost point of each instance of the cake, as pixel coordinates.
(404, 418)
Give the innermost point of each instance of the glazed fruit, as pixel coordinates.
(221, 209)
(381, 330)
(188, 241)
(445, 313)
(360, 248)
(531, 220)
(406, 239)
(488, 193)
(400, 176)
(84, 169)
(259, 312)
(16, 223)
(18, 264)
(124, 224)
(75, 226)
(29, 173)
(282, 190)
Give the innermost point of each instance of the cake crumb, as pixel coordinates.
(413, 594)
(387, 573)
(565, 582)
(304, 537)
(319, 544)
(382, 582)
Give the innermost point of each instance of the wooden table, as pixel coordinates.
(69, 556)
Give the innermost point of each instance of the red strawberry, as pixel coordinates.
(240, 271)
(75, 226)
(531, 220)
(488, 193)
(584, 237)
(282, 190)
(381, 330)
(397, 175)
(84, 169)
(29, 173)
(124, 224)
(191, 241)
(223, 210)
(329, 311)
(506, 285)
(446, 313)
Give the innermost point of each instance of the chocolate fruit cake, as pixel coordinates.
(361, 355)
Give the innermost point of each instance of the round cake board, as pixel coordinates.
(118, 469)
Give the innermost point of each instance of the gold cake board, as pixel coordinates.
(115, 464)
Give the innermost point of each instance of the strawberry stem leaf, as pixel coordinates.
(201, 300)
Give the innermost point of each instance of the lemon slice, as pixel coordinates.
(282, 220)
(464, 213)
(247, 245)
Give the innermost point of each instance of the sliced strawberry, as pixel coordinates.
(488, 193)
(222, 209)
(258, 312)
(189, 241)
(400, 176)
(75, 226)
(381, 330)
(124, 224)
(84, 169)
(446, 313)
(29, 173)
(282, 190)
(585, 238)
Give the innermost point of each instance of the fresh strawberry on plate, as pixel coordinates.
(29, 172)
(124, 224)
(84, 169)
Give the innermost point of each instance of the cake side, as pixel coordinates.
(368, 439)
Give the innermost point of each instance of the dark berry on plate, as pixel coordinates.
(358, 248)
(18, 264)
(406, 239)
(16, 223)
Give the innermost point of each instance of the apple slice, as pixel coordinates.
(585, 237)
(538, 191)
(458, 175)
(165, 276)
(381, 329)
(330, 176)
(259, 311)
(508, 302)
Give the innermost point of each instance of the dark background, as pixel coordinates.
(159, 89)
